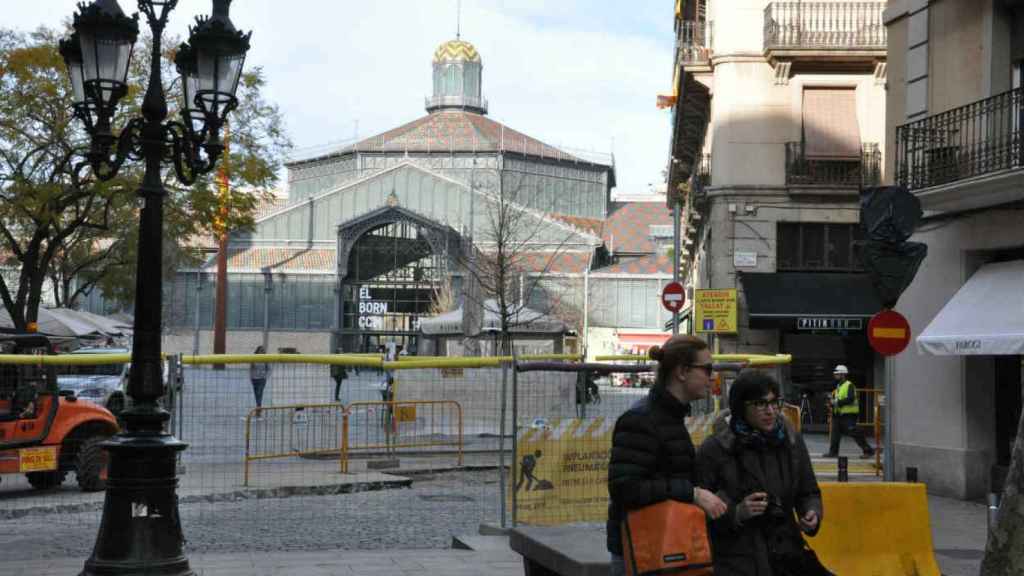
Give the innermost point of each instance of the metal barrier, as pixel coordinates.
(391, 426)
(309, 430)
(292, 431)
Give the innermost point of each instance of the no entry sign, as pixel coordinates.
(888, 332)
(673, 297)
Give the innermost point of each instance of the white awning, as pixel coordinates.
(985, 317)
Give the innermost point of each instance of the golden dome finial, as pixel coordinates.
(454, 50)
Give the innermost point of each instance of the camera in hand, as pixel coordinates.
(775, 513)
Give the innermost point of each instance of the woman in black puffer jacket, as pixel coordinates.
(652, 456)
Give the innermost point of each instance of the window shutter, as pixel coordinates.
(830, 127)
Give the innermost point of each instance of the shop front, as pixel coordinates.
(984, 323)
(821, 320)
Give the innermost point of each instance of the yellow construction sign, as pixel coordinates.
(714, 311)
(562, 469)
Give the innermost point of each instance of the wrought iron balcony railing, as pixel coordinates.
(702, 175)
(692, 44)
(859, 172)
(824, 25)
(973, 140)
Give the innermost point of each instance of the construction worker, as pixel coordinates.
(845, 409)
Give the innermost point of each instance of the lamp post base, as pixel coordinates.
(140, 533)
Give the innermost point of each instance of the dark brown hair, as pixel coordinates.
(679, 350)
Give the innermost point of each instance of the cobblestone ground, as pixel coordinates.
(426, 515)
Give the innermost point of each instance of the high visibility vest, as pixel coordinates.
(842, 392)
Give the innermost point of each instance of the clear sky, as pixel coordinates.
(575, 73)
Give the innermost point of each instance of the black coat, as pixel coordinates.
(652, 459)
(732, 472)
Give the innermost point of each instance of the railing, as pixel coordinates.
(390, 426)
(980, 138)
(703, 173)
(337, 430)
(804, 171)
(824, 25)
(691, 42)
(456, 101)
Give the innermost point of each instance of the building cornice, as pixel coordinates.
(898, 9)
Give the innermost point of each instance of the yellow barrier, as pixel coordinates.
(875, 529)
(276, 427)
(397, 412)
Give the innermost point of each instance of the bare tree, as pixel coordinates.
(517, 247)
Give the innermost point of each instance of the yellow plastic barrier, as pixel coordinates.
(875, 529)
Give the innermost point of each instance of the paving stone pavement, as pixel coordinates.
(340, 563)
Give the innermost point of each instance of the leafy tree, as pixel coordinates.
(59, 223)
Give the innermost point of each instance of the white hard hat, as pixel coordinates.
(840, 369)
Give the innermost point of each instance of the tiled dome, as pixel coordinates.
(456, 50)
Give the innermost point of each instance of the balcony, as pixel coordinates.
(702, 175)
(817, 175)
(814, 34)
(967, 157)
(692, 46)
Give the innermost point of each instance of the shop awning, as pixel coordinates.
(985, 317)
(780, 298)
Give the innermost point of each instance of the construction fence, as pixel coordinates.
(351, 452)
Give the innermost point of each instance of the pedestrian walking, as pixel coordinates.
(258, 374)
(759, 466)
(653, 457)
(338, 374)
(845, 411)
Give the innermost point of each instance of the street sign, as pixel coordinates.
(888, 332)
(673, 296)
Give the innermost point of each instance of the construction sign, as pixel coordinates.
(714, 311)
(561, 473)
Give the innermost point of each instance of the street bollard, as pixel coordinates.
(844, 472)
(993, 509)
(911, 474)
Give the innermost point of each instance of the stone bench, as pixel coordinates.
(561, 550)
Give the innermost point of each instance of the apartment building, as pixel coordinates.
(955, 108)
(778, 122)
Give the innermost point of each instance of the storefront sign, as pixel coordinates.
(829, 324)
(715, 311)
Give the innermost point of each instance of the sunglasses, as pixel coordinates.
(762, 404)
(707, 368)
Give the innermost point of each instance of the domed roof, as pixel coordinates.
(455, 50)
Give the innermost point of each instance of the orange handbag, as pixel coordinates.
(666, 538)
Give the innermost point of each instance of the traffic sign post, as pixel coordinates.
(888, 332)
(673, 296)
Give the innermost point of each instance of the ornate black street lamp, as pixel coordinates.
(141, 531)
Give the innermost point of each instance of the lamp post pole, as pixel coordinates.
(140, 532)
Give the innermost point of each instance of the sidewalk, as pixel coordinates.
(958, 533)
(341, 563)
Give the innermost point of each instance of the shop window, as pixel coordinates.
(811, 246)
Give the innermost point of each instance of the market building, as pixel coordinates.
(955, 111)
(778, 122)
(372, 239)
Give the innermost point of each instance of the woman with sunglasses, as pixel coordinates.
(653, 457)
(759, 466)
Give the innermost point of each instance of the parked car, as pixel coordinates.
(103, 384)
